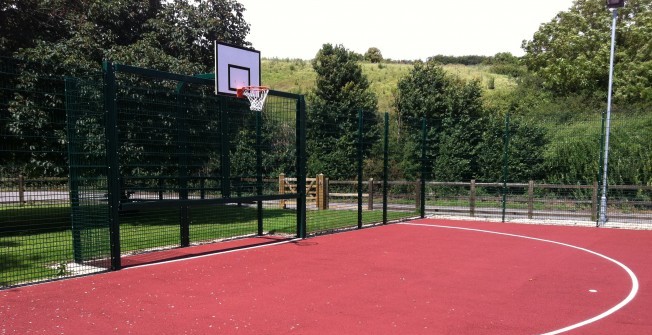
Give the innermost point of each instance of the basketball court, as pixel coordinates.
(423, 276)
(417, 277)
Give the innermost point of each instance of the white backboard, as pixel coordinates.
(235, 67)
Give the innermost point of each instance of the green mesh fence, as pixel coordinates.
(102, 166)
(194, 167)
(88, 174)
(35, 213)
(542, 169)
(352, 165)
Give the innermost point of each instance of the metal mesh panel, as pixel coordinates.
(332, 150)
(196, 168)
(88, 171)
(629, 186)
(35, 211)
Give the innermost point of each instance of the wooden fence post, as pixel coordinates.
(472, 198)
(322, 192)
(325, 192)
(594, 202)
(370, 200)
(530, 199)
(160, 188)
(281, 189)
(21, 190)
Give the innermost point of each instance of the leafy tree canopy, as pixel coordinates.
(340, 94)
(373, 55)
(571, 52)
(453, 112)
(168, 35)
(464, 60)
(429, 92)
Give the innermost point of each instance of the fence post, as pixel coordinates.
(417, 195)
(325, 188)
(472, 198)
(321, 194)
(21, 190)
(530, 199)
(302, 225)
(181, 115)
(370, 200)
(202, 187)
(422, 186)
(259, 170)
(594, 201)
(113, 175)
(360, 152)
(601, 163)
(385, 167)
(225, 157)
(281, 189)
(505, 164)
(160, 187)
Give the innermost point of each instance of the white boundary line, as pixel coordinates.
(211, 254)
(603, 315)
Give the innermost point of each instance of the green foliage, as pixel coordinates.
(463, 60)
(527, 143)
(373, 55)
(507, 64)
(59, 38)
(452, 110)
(630, 160)
(174, 36)
(573, 153)
(429, 92)
(297, 76)
(288, 75)
(571, 52)
(491, 84)
(341, 92)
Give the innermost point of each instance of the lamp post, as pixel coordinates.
(613, 4)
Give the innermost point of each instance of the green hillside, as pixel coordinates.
(297, 76)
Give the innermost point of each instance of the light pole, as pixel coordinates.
(614, 4)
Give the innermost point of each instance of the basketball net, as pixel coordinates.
(256, 96)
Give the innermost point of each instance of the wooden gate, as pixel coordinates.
(316, 190)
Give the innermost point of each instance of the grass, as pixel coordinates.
(297, 76)
(36, 242)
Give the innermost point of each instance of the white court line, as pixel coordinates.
(603, 315)
(212, 254)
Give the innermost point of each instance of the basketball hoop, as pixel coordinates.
(255, 94)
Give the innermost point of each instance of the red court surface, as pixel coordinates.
(418, 277)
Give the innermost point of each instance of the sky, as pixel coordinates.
(403, 29)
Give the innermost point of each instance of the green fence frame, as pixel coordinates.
(115, 191)
(95, 226)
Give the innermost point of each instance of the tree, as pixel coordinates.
(452, 110)
(24, 22)
(340, 93)
(72, 38)
(571, 52)
(186, 30)
(527, 143)
(373, 55)
(168, 35)
(507, 64)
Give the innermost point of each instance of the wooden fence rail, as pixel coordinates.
(16, 190)
(528, 194)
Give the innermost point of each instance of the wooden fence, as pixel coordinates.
(521, 194)
(471, 201)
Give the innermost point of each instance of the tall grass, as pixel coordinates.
(298, 76)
